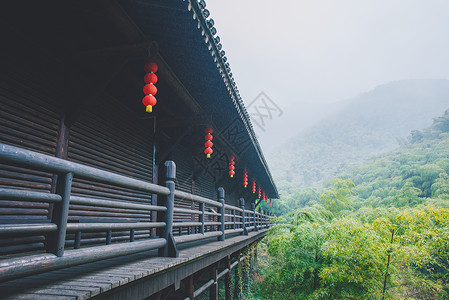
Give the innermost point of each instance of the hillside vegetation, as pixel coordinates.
(370, 124)
(379, 232)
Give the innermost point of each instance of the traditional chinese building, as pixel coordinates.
(84, 163)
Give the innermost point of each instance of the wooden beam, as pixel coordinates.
(88, 83)
(122, 21)
(166, 152)
(128, 51)
(180, 90)
(194, 120)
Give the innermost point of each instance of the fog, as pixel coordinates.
(305, 55)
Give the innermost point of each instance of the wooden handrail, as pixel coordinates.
(57, 229)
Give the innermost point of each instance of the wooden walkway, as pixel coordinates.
(131, 277)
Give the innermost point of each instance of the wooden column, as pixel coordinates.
(202, 219)
(170, 250)
(56, 241)
(220, 196)
(242, 206)
(61, 152)
(237, 283)
(253, 207)
(213, 290)
(190, 288)
(255, 254)
(155, 180)
(228, 282)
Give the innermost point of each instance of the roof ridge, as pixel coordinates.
(206, 24)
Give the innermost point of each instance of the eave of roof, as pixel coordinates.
(175, 20)
(201, 13)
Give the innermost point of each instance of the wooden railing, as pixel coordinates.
(229, 219)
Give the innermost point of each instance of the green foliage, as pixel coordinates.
(336, 198)
(380, 232)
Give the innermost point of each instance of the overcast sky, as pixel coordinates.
(329, 50)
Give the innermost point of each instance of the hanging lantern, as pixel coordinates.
(208, 144)
(259, 193)
(270, 202)
(264, 197)
(231, 166)
(254, 186)
(245, 178)
(150, 89)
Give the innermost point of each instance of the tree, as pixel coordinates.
(440, 189)
(354, 260)
(294, 263)
(408, 195)
(337, 197)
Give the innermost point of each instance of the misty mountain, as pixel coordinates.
(293, 120)
(367, 125)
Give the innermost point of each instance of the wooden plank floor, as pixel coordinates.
(130, 277)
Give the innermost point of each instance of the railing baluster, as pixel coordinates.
(221, 195)
(131, 235)
(253, 206)
(170, 249)
(234, 226)
(77, 243)
(242, 206)
(202, 218)
(56, 241)
(108, 237)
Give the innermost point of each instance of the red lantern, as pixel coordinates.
(245, 178)
(254, 186)
(208, 144)
(270, 202)
(231, 166)
(150, 78)
(150, 67)
(150, 89)
(264, 197)
(149, 101)
(259, 193)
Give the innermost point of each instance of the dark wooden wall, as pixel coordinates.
(44, 108)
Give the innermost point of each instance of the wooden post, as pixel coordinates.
(154, 200)
(265, 219)
(255, 255)
(77, 243)
(131, 235)
(228, 283)
(237, 283)
(190, 288)
(253, 207)
(170, 250)
(221, 195)
(108, 237)
(60, 214)
(213, 290)
(202, 218)
(242, 206)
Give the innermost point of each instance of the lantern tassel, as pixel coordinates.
(208, 155)
(149, 108)
(232, 176)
